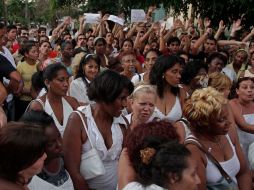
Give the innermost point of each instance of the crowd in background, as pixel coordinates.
(162, 108)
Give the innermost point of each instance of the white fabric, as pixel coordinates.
(247, 73)
(39, 184)
(231, 166)
(67, 110)
(78, 90)
(138, 186)
(137, 78)
(109, 156)
(230, 73)
(246, 138)
(174, 114)
(7, 54)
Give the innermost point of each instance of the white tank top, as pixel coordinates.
(109, 156)
(67, 110)
(174, 114)
(231, 166)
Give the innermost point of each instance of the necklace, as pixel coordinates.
(216, 142)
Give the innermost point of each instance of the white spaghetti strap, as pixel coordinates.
(36, 100)
(84, 125)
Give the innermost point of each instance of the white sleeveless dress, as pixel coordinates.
(67, 110)
(174, 114)
(110, 156)
(246, 138)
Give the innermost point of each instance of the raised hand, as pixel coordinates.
(236, 25)
(222, 26)
(207, 22)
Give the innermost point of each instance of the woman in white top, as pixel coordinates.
(243, 108)
(166, 75)
(55, 102)
(143, 101)
(207, 113)
(106, 129)
(53, 175)
(89, 67)
(150, 59)
(158, 161)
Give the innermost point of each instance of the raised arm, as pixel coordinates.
(249, 36)
(200, 41)
(220, 30)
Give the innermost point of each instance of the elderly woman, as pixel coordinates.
(105, 131)
(207, 113)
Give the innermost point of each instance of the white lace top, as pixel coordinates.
(109, 156)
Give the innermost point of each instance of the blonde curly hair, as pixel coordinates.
(219, 81)
(203, 107)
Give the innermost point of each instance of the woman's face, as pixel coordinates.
(239, 58)
(115, 108)
(189, 179)
(54, 142)
(216, 65)
(245, 91)
(127, 46)
(91, 69)
(59, 85)
(150, 60)
(100, 47)
(45, 48)
(143, 106)
(68, 51)
(33, 53)
(129, 63)
(221, 125)
(34, 169)
(173, 75)
(225, 91)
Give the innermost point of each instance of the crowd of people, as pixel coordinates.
(137, 106)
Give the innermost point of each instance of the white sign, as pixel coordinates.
(116, 19)
(138, 15)
(169, 23)
(92, 18)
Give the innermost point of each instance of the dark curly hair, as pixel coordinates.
(162, 64)
(169, 157)
(191, 70)
(107, 86)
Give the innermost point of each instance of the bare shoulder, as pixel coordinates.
(72, 101)
(233, 103)
(37, 104)
(196, 153)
